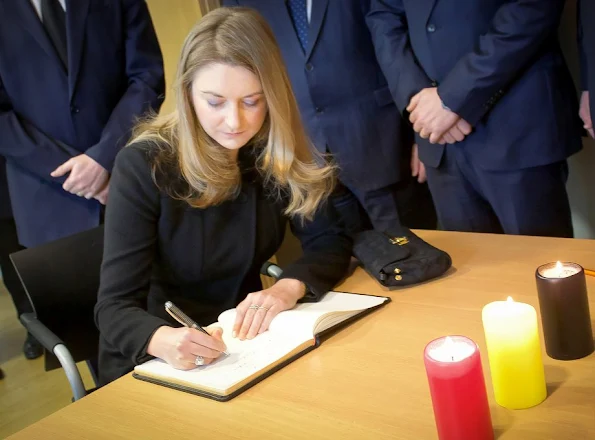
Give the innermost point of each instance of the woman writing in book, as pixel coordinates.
(199, 201)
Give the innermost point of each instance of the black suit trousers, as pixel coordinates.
(9, 243)
(406, 203)
(530, 201)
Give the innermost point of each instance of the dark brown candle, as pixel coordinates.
(564, 307)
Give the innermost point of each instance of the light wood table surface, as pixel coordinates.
(367, 381)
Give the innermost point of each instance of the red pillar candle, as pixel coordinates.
(458, 390)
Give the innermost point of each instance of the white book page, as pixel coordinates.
(304, 317)
(288, 330)
(245, 359)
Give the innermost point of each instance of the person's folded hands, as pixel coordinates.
(457, 132)
(431, 119)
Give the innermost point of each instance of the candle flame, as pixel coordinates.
(451, 349)
(509, 299)
(559, 267)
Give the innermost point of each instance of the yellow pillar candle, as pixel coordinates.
(514, 354)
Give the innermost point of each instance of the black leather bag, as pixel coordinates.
(399, 259)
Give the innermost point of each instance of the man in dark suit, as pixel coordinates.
(586, 28)
(488, 78)
(74, 77)
(347, 109)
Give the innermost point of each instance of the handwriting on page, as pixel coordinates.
(248, 359)
(243, 354)
(245, 359)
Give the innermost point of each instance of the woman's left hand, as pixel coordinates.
(255, 313)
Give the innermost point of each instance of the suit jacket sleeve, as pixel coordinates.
(326, 253)
(23, 144)
(387, 22)
(129, 248)
(518, 31)
(146, 83)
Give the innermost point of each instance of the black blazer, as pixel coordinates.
(204, 260)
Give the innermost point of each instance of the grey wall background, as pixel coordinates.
(581, 184)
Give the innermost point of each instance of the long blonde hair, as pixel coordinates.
(286, 161)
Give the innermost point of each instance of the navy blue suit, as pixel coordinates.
(587, 48)
(347, 107)
(498, 65)
(48, 115)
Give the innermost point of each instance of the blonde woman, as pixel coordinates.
(200, 200)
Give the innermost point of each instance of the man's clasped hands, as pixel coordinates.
(434, 121)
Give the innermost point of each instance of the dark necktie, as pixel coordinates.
(299, 14)
(54, 22)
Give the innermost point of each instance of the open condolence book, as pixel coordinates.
(291, 334)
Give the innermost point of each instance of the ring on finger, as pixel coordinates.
(80, 194)
(263, 308)
(254, 307)
(199, 361)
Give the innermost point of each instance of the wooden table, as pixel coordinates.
(368, 381)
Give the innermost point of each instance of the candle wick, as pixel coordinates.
(452, 358)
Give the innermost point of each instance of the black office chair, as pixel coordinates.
(61, 279)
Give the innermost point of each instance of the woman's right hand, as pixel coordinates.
(180, 347)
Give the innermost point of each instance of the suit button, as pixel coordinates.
(74, 109)
(319, 110)
(309, 67)
(434, 84)
(431, 28)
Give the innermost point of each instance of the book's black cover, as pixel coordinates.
(317, 340)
